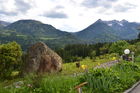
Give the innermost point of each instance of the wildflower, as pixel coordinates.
(114, 58)
(98, 64)
(84, 67)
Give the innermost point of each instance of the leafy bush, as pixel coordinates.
(127, 66)
(137, 59)
(118, 47)
(10, 59)
(111, 80)
(100, 80)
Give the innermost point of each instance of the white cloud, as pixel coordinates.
(69, 15)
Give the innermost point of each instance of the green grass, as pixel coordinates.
(113, 80)
(110, 80)
(70, 68)
(137, 60)
(138, 63)
(20, 35)
(6, 34)
(45, 38)
(64, 81)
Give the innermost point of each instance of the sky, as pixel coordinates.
(69, 15)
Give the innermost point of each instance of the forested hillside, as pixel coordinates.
(28, 32)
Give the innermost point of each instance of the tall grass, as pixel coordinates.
(70, 68)
(45, 84)
(112, 80)
(59, 84)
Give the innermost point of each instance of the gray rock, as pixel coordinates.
(40, 59)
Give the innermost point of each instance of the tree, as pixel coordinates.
(93, 55)
(118, 47)
(105, 49)
(10, 58)
(137, 48)
(139, 36)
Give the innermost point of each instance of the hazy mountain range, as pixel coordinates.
(108, 31)
(27, 32)
(3, 23)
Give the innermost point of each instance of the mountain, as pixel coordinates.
(27, 32)
(1, 26)
(3, 23)
(126, 30)
(36, 28)
(109, 31)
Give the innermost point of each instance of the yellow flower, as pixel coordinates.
(114, 58)
(98, 64)
(84, 67)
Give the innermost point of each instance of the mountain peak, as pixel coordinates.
(124, 21)
(116, 21)
(99, 20)
(29, 21)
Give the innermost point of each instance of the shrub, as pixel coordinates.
(10, 59)
(137, 59)
(118, 47)
(100, 80)
(111, 80)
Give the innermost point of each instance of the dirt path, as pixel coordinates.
(108, 64)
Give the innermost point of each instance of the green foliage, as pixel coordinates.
(93, 54)
(46, 84)
(137, 48)
(105, 48)
(139, 35)
(70, 68)
(119, 46)
(10, 59)
(137, 59)
(71, 53)
(28, 32)
(112, 80)
(61, 84)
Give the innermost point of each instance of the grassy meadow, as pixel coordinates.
(115, 79)
(110, 80)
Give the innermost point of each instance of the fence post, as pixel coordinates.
(79, 87)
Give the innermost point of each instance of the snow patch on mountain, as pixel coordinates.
(109, 24)
(120, 24)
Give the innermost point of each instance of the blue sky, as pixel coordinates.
(69, 15)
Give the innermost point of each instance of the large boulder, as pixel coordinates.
(40, 59)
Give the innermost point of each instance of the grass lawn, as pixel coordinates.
(45, 38)
(114, 80)
(70, 68)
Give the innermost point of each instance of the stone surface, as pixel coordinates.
(136, 89)
(40, 58)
